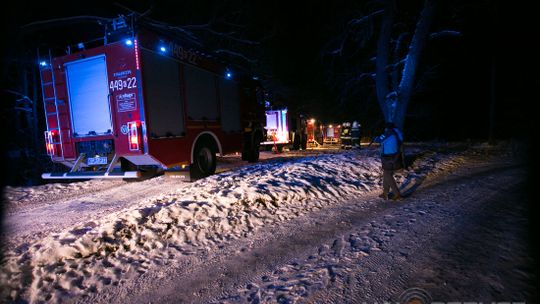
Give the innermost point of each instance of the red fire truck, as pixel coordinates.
(331, 133)
(145, 102)
(311, 130)
(277, 128)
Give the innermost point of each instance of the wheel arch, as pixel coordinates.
(204, 136)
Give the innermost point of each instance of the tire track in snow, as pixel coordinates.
(378, 271)
(280, 248)
(74, 210)
(90, 256)
(197, 217)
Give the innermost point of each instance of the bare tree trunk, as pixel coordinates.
(418, 42)
(35, 129)
(493, 88)
(397, 57)
(383, 51)
(491, 135)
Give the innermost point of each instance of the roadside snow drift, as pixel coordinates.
(186, 218)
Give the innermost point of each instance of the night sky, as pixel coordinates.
(453, 103)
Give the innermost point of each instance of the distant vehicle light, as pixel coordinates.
(43, 63)
(129, 42)
(228, 75)
(162, 49)
(312, 120)
(282, 136)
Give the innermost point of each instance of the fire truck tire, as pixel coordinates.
(254, 150)
(304, 142)
(296, 143)
(204, 160)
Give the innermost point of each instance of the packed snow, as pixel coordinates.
(184, 218)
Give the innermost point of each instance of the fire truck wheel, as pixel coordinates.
(304, 142)
(254, 151)
(204, 161)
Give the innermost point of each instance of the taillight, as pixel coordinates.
(133, 136)
(49, 143)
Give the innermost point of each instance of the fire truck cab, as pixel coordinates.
(142, 102)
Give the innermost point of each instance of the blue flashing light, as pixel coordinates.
(228, 75)
(162, 49)
(129, 42)
(43, 63)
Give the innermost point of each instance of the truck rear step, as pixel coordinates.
(91, 175)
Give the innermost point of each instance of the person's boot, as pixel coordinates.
(383, 196)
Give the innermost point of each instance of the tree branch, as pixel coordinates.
(197, 26)
(190, 36)
(23, 97)
(393, 66)
(444, 33)
(351, 23)
(208, 27)
(362, 76)
(365, 18)
(236, 54)
(339, 50)
(139, 15)
(61, 21)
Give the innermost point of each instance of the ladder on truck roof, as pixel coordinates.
(53, 135)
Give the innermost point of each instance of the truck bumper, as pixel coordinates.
(91, 175)
(266, 143)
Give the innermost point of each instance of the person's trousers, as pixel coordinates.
(389, 182)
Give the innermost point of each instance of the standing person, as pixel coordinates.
(345, 135)
(391, 159)
(355, 134)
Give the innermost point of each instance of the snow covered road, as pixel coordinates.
(286, 230)
(369, 250)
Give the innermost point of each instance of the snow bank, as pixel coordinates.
(200, 215)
